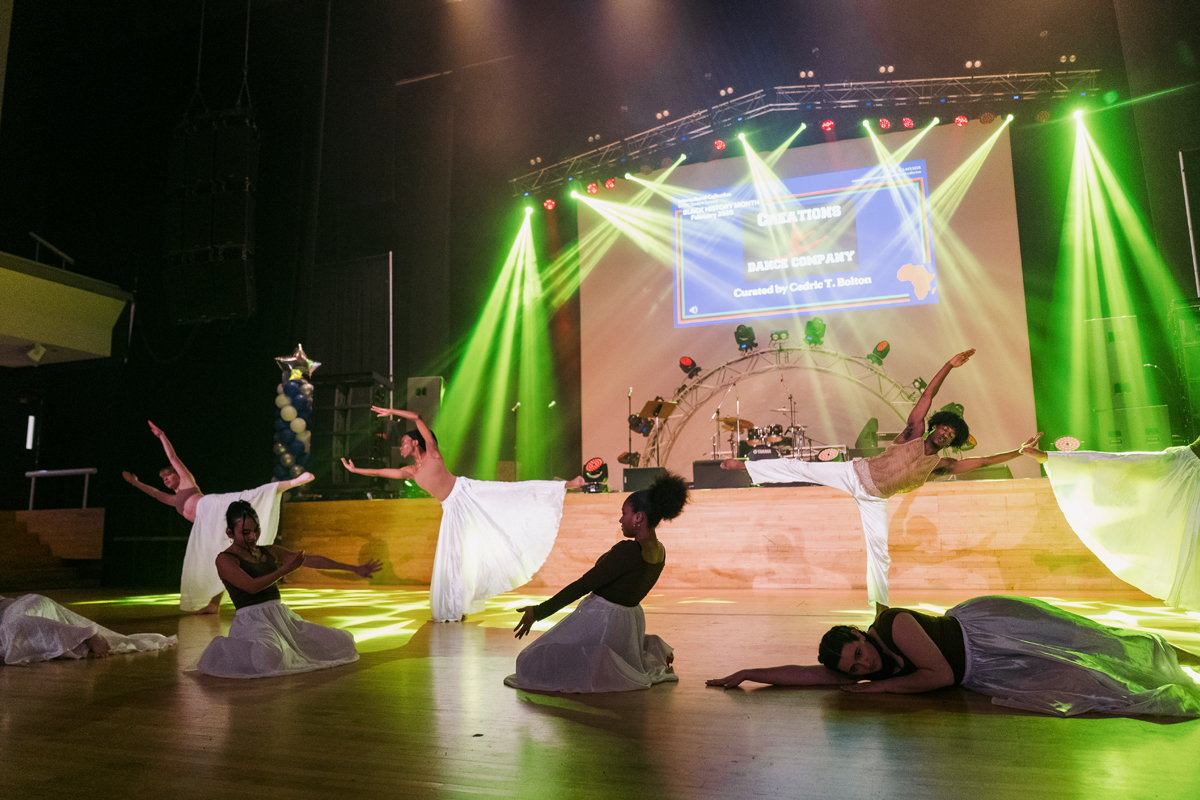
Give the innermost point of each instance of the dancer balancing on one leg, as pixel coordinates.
(35, 628)
(912, 460)
(493, 537)
(1138, 512)
(602, 646)
(200, 587)
(267, 638)
(1021, 652)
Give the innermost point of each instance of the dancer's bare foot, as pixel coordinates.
(575, 484)
(213, 607)
(98, 646)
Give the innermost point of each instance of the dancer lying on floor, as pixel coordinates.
(35, 628)
(1138, 512)
(602, 646)
(494, 535)
(1021, 652)
(200, 587)
(267, 638)
(913, 459)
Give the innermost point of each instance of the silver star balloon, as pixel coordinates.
(297, 364)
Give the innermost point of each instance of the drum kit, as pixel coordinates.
(783, 440)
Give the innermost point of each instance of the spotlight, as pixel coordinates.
(595, 474)
(744, 336)
(814, 331)
(528, 211)
(1071, 59)
(953, 408)
(829, 454)
(1043, 116)
(779, 337)
(640, 425)
(548, 204)
(977, 64)
(722, 93)
(1066, 443)
(719, 144)
(630, 459)
(646, 169)
(884, 124)
(919, 384)
(987, 118)
(967, 65)
(907, 122)
(689, 366)
(1078, 115)
(893, 69)
(611, 183)
(827, 125)
(882, 70)
(658, 115)
(969, 445)
(593, 187)
(880, 353)
(729, 91)
(961, 121)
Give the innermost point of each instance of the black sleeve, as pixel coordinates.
(623, 557)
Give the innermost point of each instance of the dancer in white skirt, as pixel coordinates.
(267, 638)
(35, 628)
(1021, 652)
(200, 588)
(602, 646)
(914, 458)
(1138, 512)
(493, 536)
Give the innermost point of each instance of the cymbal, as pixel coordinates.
(781, 410)
(733, 423)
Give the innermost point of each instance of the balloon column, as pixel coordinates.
(293, 412)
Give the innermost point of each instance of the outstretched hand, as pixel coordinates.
(729, 681)
(870, 686)
(527, 620)
(157, 431)
(366, 570)
(962, 358)
(399, 412)
(293, 562)
(348, 464)
(130, 477)
(1030, 443)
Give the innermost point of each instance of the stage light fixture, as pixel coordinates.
(595, 474)
(814, 331)
(880, 353)
(611, 183)
(970, 444)
(689, 366)
(919, 383)
(658, 115)
(829, 454)
(1043, 116)
(630, 459)
(893, 69)
(721, 93)
(961, 121)
(779, 337)
(593, 187)
(882, 70)
(719, 144)
(528, 211)
(640, 425)
(744, 336)
(953, 408)
(1110, 97)
(827, 125)
(884, 123)
(907, 122)
(987, 118)
(1066, 443)
(977, 64)
(1078, 115)
(548, 204)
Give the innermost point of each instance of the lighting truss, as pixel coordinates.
(828, 96)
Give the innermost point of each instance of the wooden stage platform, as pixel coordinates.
(983, 537)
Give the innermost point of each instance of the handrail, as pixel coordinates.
(86, 472)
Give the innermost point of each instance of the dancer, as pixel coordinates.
(913, 459)
(1021, 652)
(602, 646)
(200, 589)
(267, 638)
(1138, 512)
(35, 628)
(493, 537)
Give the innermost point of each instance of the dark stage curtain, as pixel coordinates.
(349, 326)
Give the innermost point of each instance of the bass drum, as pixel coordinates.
(754, 436)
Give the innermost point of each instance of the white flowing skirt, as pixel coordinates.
(1027, 654)
(200, 582)
(1139, 513)
(35, 628)
(599, 647)
(493, 537)
(270, 639)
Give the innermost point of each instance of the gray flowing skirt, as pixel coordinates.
(1027, 654)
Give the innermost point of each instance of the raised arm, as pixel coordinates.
(160, 496)
(951, 466)
(363, 570)
(185, 476)
(231, 572)
(404, 473)
(789, 675)
(933, 670)
(916, 418)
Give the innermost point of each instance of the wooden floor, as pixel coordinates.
(424, 713)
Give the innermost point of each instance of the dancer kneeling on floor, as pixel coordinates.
(35, 628)
(602, 646)
(267, 638)
(1021, 652)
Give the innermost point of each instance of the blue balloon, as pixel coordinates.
(296, 447)
(280, 473)
(280, 425)
(285, 436)
(291, 389)
(302, 460)
(300, 403)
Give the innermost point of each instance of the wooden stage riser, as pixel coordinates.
(989, 536)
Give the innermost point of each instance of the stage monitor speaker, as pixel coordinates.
(1115, 363)
(636, 479)
(709, 475)
(345, 427)
(425, 398)
(1135, 429)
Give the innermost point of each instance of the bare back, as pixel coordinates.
(430, 474)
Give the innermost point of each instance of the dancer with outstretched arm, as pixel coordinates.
(602, 646)
(1021, 652)
(494, 535)
(200, 589)
(913, 459)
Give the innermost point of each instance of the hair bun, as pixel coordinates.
(668, 495)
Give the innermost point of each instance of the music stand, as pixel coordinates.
(657, 410)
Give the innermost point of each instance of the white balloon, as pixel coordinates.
(298, 425)
(282, 401)
(288, 412)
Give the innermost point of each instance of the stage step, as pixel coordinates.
(27, 564)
